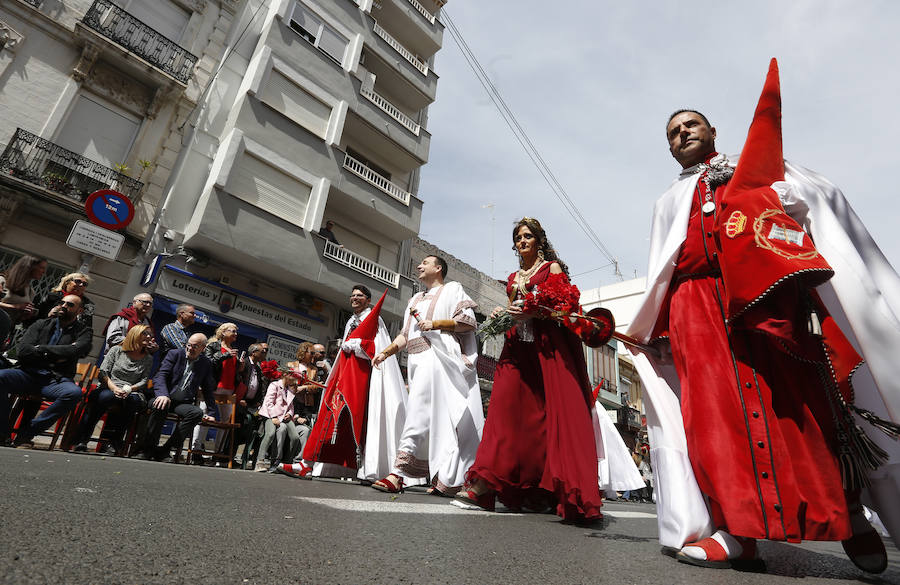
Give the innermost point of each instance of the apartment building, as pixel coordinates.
(621, 388)
(318, 113)
(92, 96)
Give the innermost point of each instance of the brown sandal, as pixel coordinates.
(392, 484)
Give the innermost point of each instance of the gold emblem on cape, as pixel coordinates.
(764, 237)
(735, 225)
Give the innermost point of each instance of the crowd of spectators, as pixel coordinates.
(273, 408)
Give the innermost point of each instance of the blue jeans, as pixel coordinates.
(64, 393)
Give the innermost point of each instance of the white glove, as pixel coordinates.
(354, 346)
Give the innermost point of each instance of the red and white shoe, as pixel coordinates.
(722, 551)
(299, 471)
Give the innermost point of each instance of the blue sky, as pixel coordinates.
(593, 86)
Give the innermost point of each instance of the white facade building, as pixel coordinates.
(318, 113)
(88, 90)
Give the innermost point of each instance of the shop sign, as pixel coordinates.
(236, 306)
(282, 350)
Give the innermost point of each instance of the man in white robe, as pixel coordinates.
(444, 416)
(863, 297)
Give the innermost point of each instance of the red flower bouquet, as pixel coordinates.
(271, 369)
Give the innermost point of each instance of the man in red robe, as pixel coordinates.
(766, 435)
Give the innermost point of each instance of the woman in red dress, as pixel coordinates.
(537, 449)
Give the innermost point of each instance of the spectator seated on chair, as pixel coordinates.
(74, 283)
(278, 412)
(137, 313)
(181, 375)
(47, 357)
(124, 375)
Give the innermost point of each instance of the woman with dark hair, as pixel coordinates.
(74, 283)
(538, 447)
(18, 296)
(124, 374)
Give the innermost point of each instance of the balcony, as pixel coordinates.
(125, 30)
(365, 173)
(32, 159)
(630, 418)
(390, 109)
(406, 53)
(361, 264)
(35, 3)
(421, 9)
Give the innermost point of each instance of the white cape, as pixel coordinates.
(385, 414)
(616, 470)
(863, 297)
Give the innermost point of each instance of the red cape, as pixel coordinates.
(340, 439)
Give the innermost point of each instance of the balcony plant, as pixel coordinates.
(57, 182)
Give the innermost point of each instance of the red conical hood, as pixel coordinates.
(762, 160)
(762, 248)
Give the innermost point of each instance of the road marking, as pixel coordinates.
(626, 514)
(397, 507)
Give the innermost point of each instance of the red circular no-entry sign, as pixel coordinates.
(109, 209)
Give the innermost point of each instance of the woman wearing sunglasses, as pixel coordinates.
(74, 283)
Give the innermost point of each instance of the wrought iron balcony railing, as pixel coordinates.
(124, 29)
(40, 162)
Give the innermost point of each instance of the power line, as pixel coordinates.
(525, 142)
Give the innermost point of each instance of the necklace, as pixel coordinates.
(525, 275)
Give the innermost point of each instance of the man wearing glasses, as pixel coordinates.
(47, 356)
(138, 313)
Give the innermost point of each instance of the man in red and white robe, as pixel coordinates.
(745, 439)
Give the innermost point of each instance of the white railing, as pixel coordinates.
(391, 110)
(416, 62)
(361, 264)
(373, 178)
(428, 16)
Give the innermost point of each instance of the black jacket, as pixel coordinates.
(171, 371)
(34, 351)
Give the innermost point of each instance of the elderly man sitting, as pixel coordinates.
(47, 356)
(182, 373)
(138, 313)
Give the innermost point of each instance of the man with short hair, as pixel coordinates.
(444, 416)
(137, 313)
(326, 233)
(47, 357)
(768, 443)
(248, 404)
(181, 376)
(323, 366)
(175, 334)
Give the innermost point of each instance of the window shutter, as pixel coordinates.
(162, 15)
(333, 44)
(98, 132)
(296, 103)
(306, 20)
(269, 189)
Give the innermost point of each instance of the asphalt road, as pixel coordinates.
(70, 519)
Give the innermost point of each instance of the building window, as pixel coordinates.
(99, 131)
(163, 16)
(268, 188)
(296, 103)
(322, 36)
